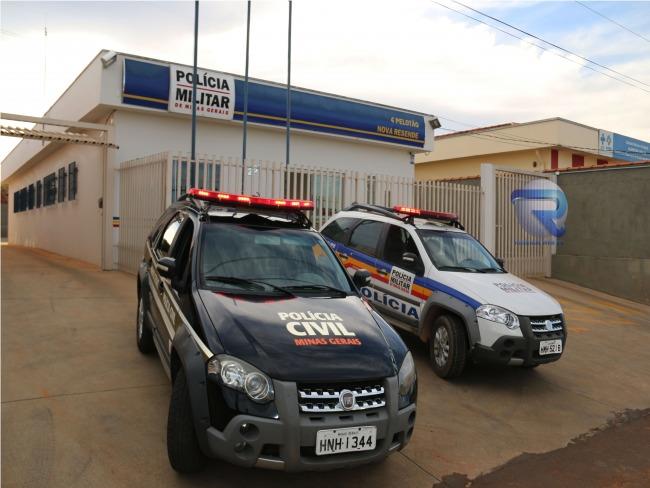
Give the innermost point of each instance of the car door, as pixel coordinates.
(361, 251)
(399, 264)
(160, 310)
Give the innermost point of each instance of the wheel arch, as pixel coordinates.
(440, 304)
(186, 354)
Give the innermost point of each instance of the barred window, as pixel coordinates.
(49, 189)
(62, 184)
(23, 199)
(39, 193)
(16, 201)
(31, 197)
(72, 180)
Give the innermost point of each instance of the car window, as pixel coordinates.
(159, 226)
(168, 235)
(399, 241)
(365, 237)
(338, 230)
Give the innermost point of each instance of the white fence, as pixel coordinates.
(330, 189)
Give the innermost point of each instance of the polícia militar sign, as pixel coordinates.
(154, 85)
(215, 92)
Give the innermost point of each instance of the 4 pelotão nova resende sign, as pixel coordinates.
(215, 93)
(169, 87)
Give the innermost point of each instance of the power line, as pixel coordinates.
(539, 47)
(548, 42)
(613, 21)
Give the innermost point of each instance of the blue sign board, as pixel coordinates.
(629, 149)
(147, 85)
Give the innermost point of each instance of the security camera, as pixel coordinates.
(108, 58)
(435, 123)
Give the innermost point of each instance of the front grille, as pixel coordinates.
(549, 325)
(324, 399)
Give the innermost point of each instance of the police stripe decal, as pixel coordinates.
(422, 287)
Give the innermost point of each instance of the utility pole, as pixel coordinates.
(194, 76)
(243, 152)
(288, 156)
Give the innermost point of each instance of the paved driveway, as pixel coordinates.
(81, 406)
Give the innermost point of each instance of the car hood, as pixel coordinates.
(505, 290)
(302, 339)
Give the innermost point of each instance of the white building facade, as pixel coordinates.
(147, 104)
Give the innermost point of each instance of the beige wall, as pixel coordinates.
(466, 167)
(70, 228)
(471, 166)
(522, 146)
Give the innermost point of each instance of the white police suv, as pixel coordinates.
(432, 278)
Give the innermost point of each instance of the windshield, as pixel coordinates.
(457, 251)
(269, 260)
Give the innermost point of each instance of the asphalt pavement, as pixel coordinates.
(82, 407)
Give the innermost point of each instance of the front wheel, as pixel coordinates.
(183, 448)
(448, 347)
(143, 334)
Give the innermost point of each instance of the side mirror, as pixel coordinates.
(413, 263)
(361, 278)
(166, 267)
(500, 262)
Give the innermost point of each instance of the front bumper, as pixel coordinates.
(520, 350)
(287, 443)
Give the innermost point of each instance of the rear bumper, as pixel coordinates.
(287, 443)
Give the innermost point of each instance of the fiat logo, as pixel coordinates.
(347, 400)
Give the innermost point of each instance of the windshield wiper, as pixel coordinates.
(317, 287)
(460, 268)
(247, 282)
(490, 270)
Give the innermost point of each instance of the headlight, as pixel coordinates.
(406, 380)
(241, 376)
(498, 314)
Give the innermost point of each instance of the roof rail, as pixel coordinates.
(390, 213)
(385, 211)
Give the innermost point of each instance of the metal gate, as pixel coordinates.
(502, 233)
(143, 186)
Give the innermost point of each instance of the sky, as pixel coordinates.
(413, 54)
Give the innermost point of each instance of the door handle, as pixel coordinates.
(342, 255)
(382, 272)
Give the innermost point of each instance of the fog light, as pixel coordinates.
(240, 446)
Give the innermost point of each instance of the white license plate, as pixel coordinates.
(334, 441)
(550, 347)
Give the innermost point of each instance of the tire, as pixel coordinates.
(183, 449)
(143, 334)
(448, 347)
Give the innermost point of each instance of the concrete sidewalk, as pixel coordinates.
(82, 407)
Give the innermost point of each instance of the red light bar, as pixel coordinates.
(247, 200)
(416, 212)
